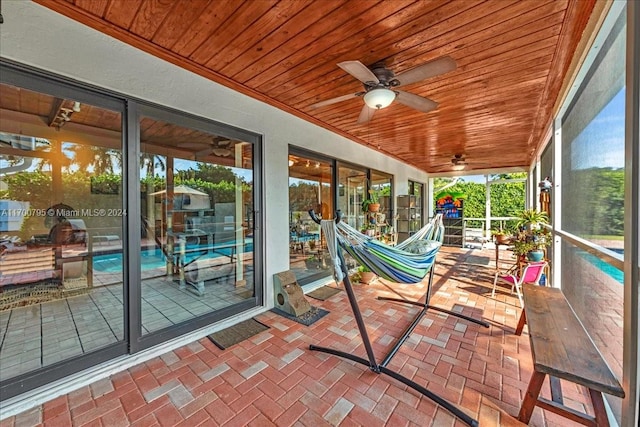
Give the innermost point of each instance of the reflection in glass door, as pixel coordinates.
(310, 187)
(417, 189)
(352, 190)
(196, 198)
(61, 221)
(383, 220)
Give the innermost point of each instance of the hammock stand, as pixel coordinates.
(371, 362)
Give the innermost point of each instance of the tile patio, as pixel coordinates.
(273, 379)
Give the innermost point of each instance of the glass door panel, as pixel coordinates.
(61, 222)
(310, 187)
(352, 190)
(196, 198)
(417, 189)
(381, 183)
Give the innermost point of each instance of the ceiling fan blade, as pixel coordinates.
(336, 100)
(358, 70)
(205, 152)
(417, 102)
(436, 67)
(222, 152)
(366, 114)
(195, 144)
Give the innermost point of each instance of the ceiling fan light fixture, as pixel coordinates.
(379, 98)
(222, 152)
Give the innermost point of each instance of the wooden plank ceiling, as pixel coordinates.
(494, 108)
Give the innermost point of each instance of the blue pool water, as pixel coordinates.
(604, 266)
(154, 258)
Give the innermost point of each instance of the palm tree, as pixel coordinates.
(57, 158)
(149, 162)
(100, 159)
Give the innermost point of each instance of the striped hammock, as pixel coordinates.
(408, 262)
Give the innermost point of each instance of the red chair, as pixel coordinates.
(531, 273)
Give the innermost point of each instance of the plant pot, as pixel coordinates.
(374, 207)
(367, 277)
(503, 239)
(536, 255)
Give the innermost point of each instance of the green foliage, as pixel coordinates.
(106, 184)
(512, 175)
(32, 186)
(506, 198)
(220, 192)
(303, 196)
(101, 160)
(36, 187)
(500, 232)
(374, 195)
(529, 217)
(372, 199)
(593, 202)
(82, 190)
(363, 268)
(209, 173)
(151, 184)
(474, 203)
(528, 240)
(532, 235)
(453, 194)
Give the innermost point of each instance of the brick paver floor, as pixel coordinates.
(273, 379)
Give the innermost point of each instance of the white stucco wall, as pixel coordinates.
(34, 35)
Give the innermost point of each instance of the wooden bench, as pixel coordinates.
(562, 349)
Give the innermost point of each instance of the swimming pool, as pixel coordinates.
(604, 266)
(151, 259)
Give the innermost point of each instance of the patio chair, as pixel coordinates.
(531, 273)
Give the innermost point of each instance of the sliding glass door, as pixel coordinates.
(196, 211)
(106, 251)
(61, 194)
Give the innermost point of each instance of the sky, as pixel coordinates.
(601, 142)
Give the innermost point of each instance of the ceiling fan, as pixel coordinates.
(458, 161)
(380, 85)
(219, 146)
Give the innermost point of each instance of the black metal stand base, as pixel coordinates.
(379, 369)
(433, 307)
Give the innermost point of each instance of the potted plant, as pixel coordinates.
(369, 229)
(531, 218)
(366, 275)
(531, 243)
(502, 237)
(372, 203)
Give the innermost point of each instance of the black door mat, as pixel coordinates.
(324, 292)
(239, 332)
(307, 319)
